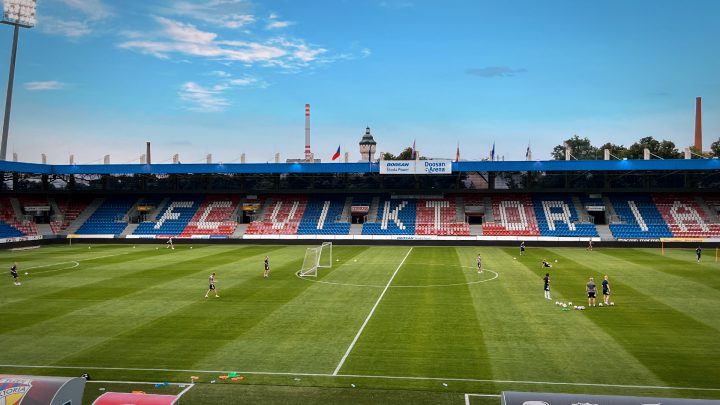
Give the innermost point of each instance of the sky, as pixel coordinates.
(226, 77)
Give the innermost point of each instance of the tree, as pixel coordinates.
(580, 148)
(618, 151)
(715, 148)
(406, 154)
(663, 149)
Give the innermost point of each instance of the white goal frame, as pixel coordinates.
(315, 258)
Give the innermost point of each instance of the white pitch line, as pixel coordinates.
(380, 377)
(131, 382)
(184, 391)
(372, 311)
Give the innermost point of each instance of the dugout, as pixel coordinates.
(39, 390)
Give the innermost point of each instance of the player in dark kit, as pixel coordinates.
(606, 290)
(546, 279)
(14, 274)
(479, 264)
(267, 268)
(590, 289)
(698, 253)
(212, 286)
(522, 248)
(545, 263)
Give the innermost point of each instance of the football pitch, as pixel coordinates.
(383, 325)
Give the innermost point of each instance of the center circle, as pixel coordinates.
(496, 275)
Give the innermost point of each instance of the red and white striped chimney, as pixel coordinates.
(308, 154)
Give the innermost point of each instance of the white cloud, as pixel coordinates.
(44, 85)
(93, 9)
(219, 73)
(212, 98)
(202, 99)
(274, 23)
(86, 14)
(230, 14)
(186, 39)
(68, 28)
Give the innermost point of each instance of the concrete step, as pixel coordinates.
(44, 229)
(356, 229)
(239, 231)
(77, 223)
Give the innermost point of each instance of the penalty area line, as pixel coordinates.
(372, 311)
(364, 376)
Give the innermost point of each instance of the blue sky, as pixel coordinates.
(226, 77)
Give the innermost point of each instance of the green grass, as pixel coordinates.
(439, 331)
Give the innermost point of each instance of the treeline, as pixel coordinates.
(582, 149)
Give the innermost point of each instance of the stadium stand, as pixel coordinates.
(174, 218)
(108, 217)
(214, 217)
(439, 217)
(282, 215)
(685, 217)
(8, 220)
(68, 210)
(394, 217)
(323, 217)
(639, 218)
(557, 216)
(514, 216)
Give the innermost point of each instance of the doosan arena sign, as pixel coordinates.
(415, 167)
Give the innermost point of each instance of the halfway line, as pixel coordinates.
(372, 311)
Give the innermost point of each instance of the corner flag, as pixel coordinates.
(337, 154)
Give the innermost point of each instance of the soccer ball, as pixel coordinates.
(555, 260)
(355, 260)
(514, 258)
(88, 247)
(190, 247)
(157, 248)
(26, 273)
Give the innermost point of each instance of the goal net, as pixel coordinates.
(316, 257)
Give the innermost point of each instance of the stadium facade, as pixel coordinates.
(421, 200)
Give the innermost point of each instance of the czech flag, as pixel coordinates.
(337, 154)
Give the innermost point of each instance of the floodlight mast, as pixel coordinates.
(18, 13)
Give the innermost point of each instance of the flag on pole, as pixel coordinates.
(492, 152)
(337, 154)
(527, 153)
(457, 153)
(413, 151)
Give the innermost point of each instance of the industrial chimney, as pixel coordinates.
(308, 154)
(698, 124)
(147, 154)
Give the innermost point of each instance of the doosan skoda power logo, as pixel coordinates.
(13, 390)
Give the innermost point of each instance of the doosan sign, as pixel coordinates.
(415, 167)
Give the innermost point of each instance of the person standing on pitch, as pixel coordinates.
(546, 279)
(589, 248)
(606, 290)
(170, 244)
(522, 248)
(212, 287)
(479, 264)
(267, 268)
(14, 274)
(698, 253)
(590, 289)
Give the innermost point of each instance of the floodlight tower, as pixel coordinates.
(18, 13)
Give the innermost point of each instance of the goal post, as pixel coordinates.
(316, 257)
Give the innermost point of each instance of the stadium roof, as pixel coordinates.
(261, 168)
